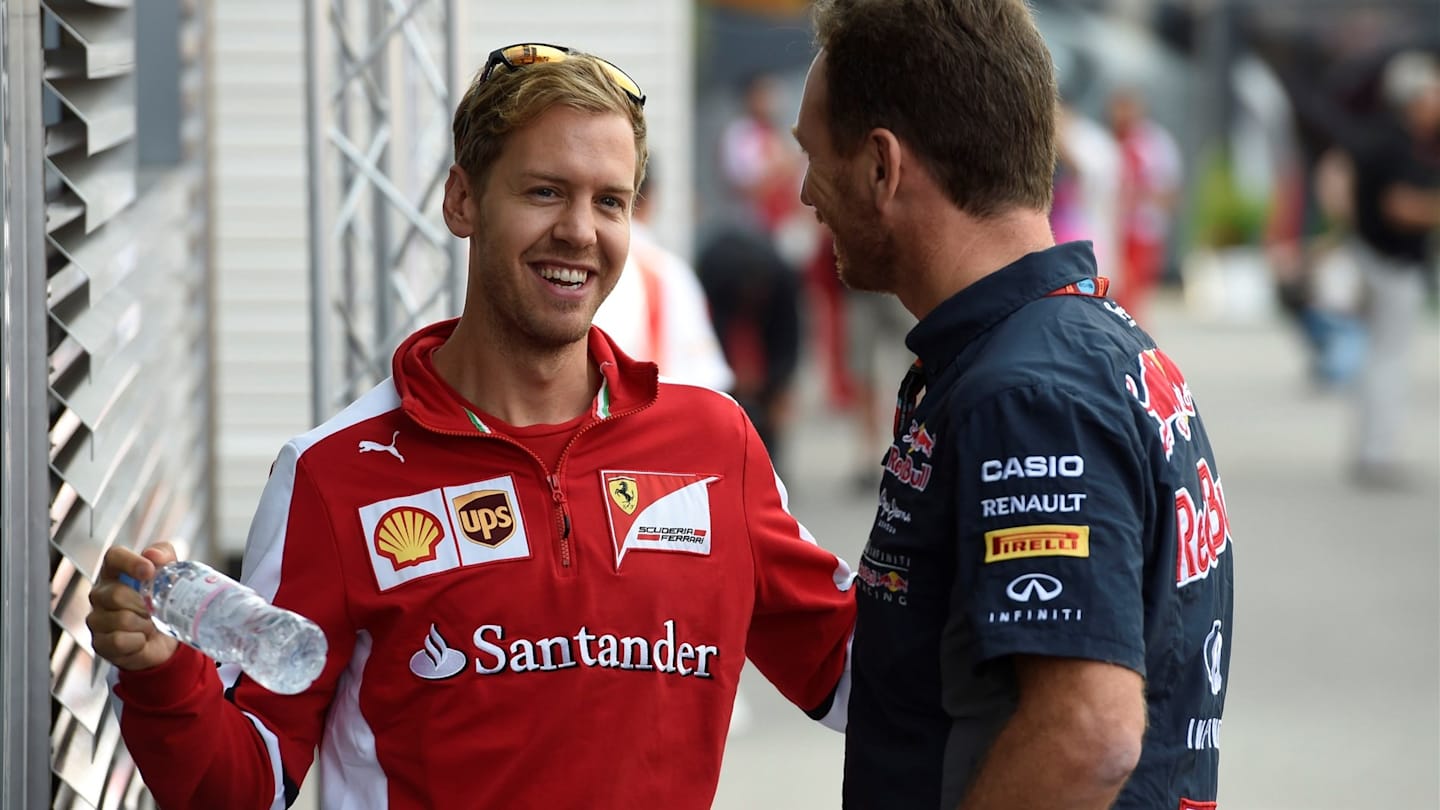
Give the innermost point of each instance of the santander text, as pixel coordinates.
(589, 649)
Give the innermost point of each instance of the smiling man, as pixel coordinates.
(544, 596)
(1046, 592)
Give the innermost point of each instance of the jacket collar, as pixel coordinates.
(427, 399)
(962, 317)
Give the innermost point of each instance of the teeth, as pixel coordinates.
(563, 275)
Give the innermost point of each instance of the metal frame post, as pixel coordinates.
(24, 424)
(379, 107)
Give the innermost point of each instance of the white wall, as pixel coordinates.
(262, 333)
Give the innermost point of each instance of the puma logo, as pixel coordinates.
(376, 447)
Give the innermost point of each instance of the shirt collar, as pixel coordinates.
(962, 317)
(625, 383)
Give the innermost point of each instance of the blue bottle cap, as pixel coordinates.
(131, 581)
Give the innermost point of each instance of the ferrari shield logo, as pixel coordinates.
(658, 511)
(624, 492)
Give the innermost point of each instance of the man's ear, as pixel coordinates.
(458, 193)
(883, 167)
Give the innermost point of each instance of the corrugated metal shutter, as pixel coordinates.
(128, 355)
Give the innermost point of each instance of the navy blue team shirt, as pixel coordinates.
(1053, 493)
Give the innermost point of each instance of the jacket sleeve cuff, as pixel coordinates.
(167, 685)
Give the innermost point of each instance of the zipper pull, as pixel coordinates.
(559, 497)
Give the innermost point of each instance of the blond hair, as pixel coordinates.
(510, 99)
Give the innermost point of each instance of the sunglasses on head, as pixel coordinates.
(515, 57)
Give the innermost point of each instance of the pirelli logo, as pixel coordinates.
(1037, 541)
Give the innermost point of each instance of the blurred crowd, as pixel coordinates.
(1353, 243)
(1345, 237)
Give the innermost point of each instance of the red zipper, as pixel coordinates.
(562, 514)
(557, 494)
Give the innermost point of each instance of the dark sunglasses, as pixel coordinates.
(515, 57)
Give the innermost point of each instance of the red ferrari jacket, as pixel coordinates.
(502, 634)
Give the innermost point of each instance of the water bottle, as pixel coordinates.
(280, 650)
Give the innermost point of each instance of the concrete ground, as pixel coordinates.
(1334, 700)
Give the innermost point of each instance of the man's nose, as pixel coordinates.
(576, 225)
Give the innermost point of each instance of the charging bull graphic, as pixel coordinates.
(1162, 391)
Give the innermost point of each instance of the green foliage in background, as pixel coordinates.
(1223, 214)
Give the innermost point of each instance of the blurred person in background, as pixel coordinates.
(875, 351)
(1046, 592)
(1150, 175)
(1396, 206)
(556, 552)
(1087, 185)
(757, 159)
(658, 312)
(751, 268)
(1317, 273)
(827, 297)
(754, 297)
(872, 334)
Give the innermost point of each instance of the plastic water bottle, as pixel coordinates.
(279, 649)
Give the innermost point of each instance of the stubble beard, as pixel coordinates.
(864, 253)
(517, 324)
(866, 260)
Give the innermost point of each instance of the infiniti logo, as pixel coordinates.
(1214, 644)
(1034, 587)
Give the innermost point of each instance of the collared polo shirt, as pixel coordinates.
(1053, 493)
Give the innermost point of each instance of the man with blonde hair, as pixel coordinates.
(541, 601)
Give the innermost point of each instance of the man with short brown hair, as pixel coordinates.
(1047, 587)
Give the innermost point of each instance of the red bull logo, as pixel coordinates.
(1162, 391)
(909, 472)
(919, 440)
(889, 580)
(1202, 528)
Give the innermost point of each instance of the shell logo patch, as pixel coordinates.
(408, 536)
(439, 530)
(652, 511)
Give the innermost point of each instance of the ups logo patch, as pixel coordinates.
(486, 517)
